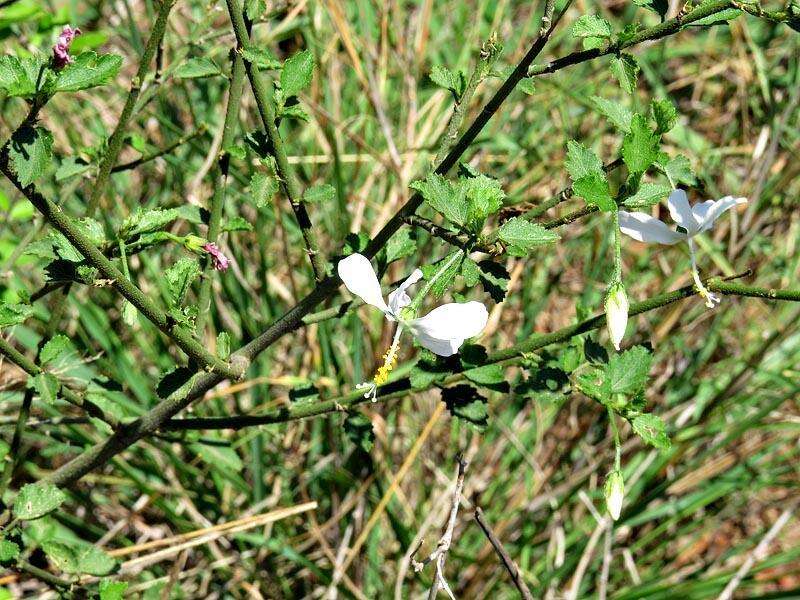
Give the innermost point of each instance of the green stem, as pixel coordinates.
(266, 110)
(617, 276)
(220, 178)
(159, 153)
(118, 135)
(612, 419)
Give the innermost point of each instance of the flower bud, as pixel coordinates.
(195, 243)
(614, 493)
(616, 312)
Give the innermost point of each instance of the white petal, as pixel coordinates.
(444, 329)
(711, 210)
(359, 277)
(399, 299)
(680, 211)
(645, 228)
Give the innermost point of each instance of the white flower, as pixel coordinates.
(442, 331)
(614, 492)
(693, 220)
(616, 313)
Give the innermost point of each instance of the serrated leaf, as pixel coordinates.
(465, 403)
(640, 145)
(444, 77)
(443, 273)
(219, 454)
(491, 376)
(527, 86)
(297, 73)
(626, 372)
(88, 70)
(524, 235)
(14, 314)
(718, 18)
(484, 197)
(625, 68)
(619, 115)
(130, 316)
(236, 224)
(470, 272)
(261, 58)
(679, 170)
(46, 385)
(179, 279)
(440, 194)
(146, 221)
(201, 66)
(592, 29)
(112, 590)
(37, 499)
(254, 9)
(320, 194)
(648, 194)
(494, 279)
(660, 7)
(652, 430)
(263, 187)
(70, 167)
(664, 114)
(581, 161)
(400, 245)
(30, 152)
(594, 189)
(295, 111)
(79, 558)
(58, 351)
(8, 550)
(358, 429)
(15, 79)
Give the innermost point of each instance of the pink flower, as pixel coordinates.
(218, 259)
(61, 57)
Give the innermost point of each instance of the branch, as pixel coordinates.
(118, 136)
(508, 562)
(266, 110)
(159, 153)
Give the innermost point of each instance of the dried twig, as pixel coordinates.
(439, 555)
(508, 562)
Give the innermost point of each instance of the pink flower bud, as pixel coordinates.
(61, 56)
(218, 259)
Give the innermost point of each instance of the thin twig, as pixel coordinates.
(505, 559)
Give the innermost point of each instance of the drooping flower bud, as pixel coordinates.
(616, 312)
(61, 56)
(218, 259)
(614, 492)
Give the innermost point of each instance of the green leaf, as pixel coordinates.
(46, 385)
(358, 429)
(494, 279)
(179, 279)
(443, 273)
(594, 189)
(427, 370)
(14, 314)
(320, 194)
(261, 58)
(218, 454)
(470, 272)
(626, 372)
(58, 351)
(722, 17)
(679, 170)
(527, 86)
(465, 403)
(651, 429)
(522, 235)
(88, 70)
(491, 376)
(439, 194)
(295, 111)
(8, 551)
(619, 115)
(640, 145)
(660, 7)
(145, 221)
(664, 114)
(484, 197)
(197, 67)
(581, 161)
(70, 167)
(444, 77)
(593, 30)
(236, 224)
(176, 383)
(79, 558)
(37, 499)
(648, 194)
(130, 315)
(400, 245)
(30, 151)
(112, 590)
(625, 68)
(263, 188)
(223, 345)
(15, 79)
(297, 73)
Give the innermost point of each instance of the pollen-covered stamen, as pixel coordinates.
(711, 299)
(389, 359)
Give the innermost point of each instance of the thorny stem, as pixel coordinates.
(293, 319)
(118, 136)
(286, 173)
